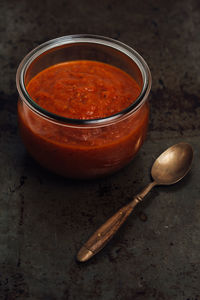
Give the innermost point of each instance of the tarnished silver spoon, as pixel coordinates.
(170, 167)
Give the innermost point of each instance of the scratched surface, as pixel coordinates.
(44, 219)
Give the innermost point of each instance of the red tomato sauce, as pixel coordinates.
(83, 90)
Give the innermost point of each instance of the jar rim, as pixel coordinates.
(84, 38)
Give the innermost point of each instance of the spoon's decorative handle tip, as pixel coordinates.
(84, 254)
(100, 238)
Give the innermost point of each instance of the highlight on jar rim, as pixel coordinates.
(83, 109)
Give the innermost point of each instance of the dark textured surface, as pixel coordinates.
(44, 219)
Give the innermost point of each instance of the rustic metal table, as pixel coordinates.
(44, 219)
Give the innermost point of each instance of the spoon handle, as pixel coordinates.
(101, 237)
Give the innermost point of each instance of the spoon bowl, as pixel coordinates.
(173, 164)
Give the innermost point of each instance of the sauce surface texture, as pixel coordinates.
(83, 89)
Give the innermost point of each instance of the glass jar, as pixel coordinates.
(83, 148)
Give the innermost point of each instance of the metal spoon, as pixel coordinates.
(170, 167)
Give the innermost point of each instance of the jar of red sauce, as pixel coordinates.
(83, 148)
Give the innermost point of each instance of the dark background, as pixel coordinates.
(44, 219)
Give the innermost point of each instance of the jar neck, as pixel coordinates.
(74, 41)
